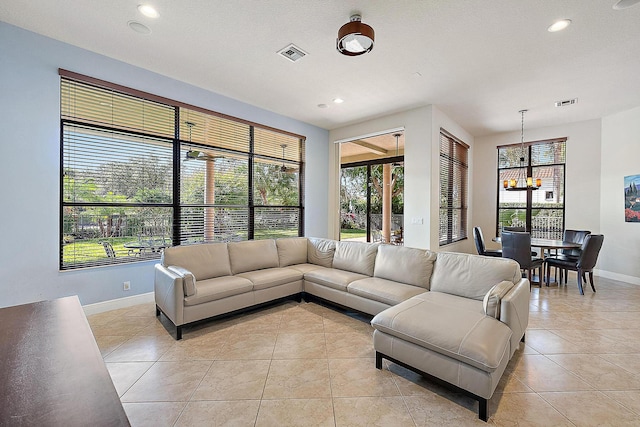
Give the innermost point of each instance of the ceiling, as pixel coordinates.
(372, 148)
(479, 61)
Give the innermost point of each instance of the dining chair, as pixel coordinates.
(517, 246)
(518, 229)
(572, 254)
(480, 246)
(585, 262)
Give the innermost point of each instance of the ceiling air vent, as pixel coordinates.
(566, 102)
(292, 53)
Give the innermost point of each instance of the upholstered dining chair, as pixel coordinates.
(480, 246)
(585, 262)
(573, 236)
(517, 246)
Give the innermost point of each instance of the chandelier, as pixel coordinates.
(522, 182)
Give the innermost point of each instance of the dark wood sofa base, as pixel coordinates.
(483, 404)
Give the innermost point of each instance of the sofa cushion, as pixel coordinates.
(449, 300)
(405, 265)
(471, 276)
(357, 257)
(253, 255)
(271, 277)
(205, 260)
(493, 298)
(218, 288)
(468, 336)
(305, 268)
(320, 251)
(382, 290)
(188, 281)
(332, 278)
(292, 250)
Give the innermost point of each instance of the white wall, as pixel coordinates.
(421, 157)
(30, 173)
(620, 158)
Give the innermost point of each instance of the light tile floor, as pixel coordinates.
(306, 364)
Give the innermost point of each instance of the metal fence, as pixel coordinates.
(543, 227)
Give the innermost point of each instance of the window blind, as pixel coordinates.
(140, 172)
(453, 189)
(116, 183)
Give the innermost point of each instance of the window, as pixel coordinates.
(140, 173)
(453, 188)
(541, 211)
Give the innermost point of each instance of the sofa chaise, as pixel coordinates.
(455, 317)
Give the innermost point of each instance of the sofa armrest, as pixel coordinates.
(169, 294)
(514, 311)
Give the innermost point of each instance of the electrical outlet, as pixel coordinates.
(126, 286)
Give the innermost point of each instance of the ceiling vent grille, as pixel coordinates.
(293, 53)
(566, 102)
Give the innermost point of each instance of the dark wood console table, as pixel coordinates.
(51, 370)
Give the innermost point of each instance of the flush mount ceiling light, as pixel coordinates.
(338, 100)
(148, 11)
(355, 38)
(559, 25)
(623, 4)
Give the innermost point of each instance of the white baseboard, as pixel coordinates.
(115, 304)
(617, 276)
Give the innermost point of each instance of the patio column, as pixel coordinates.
(209, 198)
(386, 202)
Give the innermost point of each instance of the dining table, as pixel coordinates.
(548, 245)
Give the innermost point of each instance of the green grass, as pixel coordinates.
(275, 233)
(349, 233)
(91, 249)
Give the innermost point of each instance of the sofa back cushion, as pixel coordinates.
(253, 255)
(320, 251)
(204, 261)
(405, 265)
(292, 251)
(357, 257)
(471, 276)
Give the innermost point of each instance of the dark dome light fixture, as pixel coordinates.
(355, 38)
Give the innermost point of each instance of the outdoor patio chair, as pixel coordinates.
(108, 249)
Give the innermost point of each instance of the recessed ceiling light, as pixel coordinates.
(623, 4)
(559, 25)
(148, 11)
(323, 106)
(338, 100)
(138, 27)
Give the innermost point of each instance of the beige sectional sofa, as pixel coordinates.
(454, 317)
